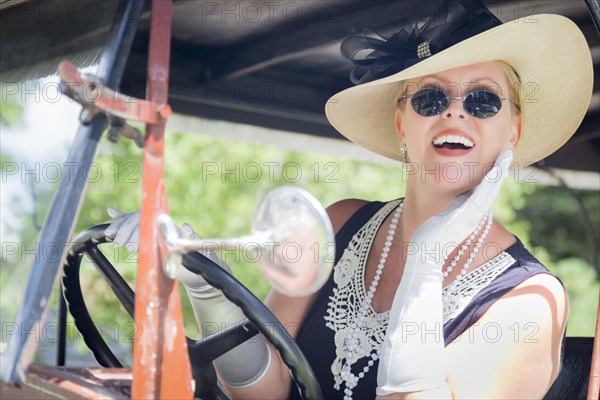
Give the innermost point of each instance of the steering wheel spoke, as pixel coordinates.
(213, 347)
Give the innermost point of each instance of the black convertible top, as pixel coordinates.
(266, 63)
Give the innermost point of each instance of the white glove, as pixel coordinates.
(125, 228)
(239, 367)
(412, 354)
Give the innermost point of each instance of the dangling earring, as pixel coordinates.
(404, 152)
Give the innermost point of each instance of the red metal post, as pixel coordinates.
(160, 359)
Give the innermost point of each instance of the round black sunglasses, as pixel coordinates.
(430, 102)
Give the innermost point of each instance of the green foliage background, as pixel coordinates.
(216, 184)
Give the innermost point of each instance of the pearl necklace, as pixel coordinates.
(487, 219)
(351, 339)
(352, 345)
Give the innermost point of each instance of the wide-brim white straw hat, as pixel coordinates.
(549, 54)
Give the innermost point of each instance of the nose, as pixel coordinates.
(455, 109)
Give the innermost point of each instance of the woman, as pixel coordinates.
(430, 297)
(508, 313)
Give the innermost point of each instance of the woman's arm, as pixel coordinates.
(276, 382)
(291, 312)
(512, 352)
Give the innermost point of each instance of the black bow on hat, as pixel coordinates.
(401, 44)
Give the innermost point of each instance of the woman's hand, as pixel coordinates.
(244, 365)
(452, 226)
(125, 231)
(125, 227)
(412, 354)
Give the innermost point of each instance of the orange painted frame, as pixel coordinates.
(160, 359)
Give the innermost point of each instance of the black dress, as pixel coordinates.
(317, 341)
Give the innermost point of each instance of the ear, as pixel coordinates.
(515, 127)
(398, 124)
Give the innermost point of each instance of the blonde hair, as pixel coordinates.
(514, 84)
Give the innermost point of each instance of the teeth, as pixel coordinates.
(453, 139)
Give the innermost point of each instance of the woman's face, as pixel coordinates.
(439, 147)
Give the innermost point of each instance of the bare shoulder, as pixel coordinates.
(547, 281)
(544, 286)
(540, 298)
(523, 328)
(340, 211)
(544, 292)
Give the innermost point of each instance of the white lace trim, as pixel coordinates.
(348, 274)
(350, 292)
(458, 294)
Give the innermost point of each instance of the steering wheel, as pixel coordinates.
(202, 352)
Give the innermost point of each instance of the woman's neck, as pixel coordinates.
(420, 204)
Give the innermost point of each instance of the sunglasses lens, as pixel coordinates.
(483, 104)
(429, 102)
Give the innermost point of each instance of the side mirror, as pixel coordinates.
(291, 234)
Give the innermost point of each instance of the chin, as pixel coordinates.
(454, 175)
(457, 174)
